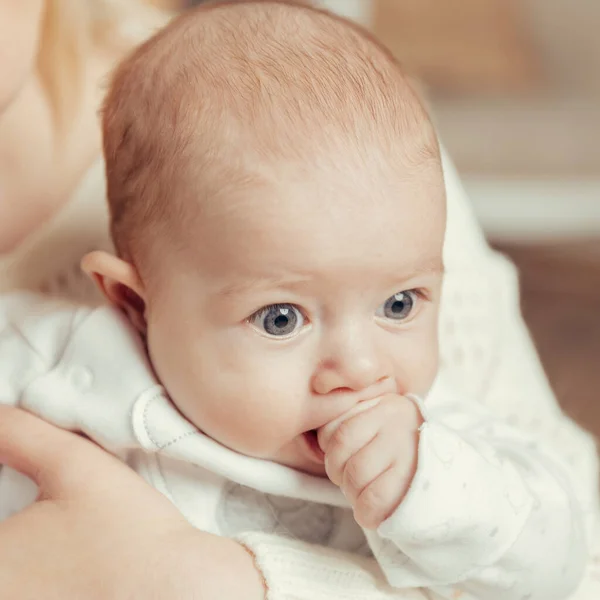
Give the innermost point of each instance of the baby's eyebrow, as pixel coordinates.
(289, 281)
(255, 284)
(433, 266)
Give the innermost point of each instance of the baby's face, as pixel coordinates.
(299, 300)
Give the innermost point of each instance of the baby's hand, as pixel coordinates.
(372, 455)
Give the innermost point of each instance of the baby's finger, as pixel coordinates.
(326, 432)
(350, 437)
(380, 498)
(367, 464)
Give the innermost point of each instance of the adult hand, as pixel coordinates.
(99, 532)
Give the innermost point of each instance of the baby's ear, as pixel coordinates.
(119, 281)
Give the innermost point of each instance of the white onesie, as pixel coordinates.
(492, 513)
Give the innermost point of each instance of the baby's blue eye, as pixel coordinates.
(399, 306)
(278, 320)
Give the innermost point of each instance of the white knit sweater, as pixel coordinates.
(486, 354)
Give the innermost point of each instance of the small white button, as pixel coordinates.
(82, 378)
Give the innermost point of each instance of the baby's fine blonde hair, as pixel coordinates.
(232, 86)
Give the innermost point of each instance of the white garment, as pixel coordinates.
(486, 354)
(487, 514)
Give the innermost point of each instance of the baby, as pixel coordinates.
(278, 211)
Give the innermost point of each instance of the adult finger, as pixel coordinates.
(44, 453)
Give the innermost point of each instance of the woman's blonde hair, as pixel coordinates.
(72, 28)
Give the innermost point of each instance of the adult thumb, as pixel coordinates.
(40, 451)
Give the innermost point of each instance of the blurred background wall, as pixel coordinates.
(514, 87)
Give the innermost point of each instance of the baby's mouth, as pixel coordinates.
(312, 443)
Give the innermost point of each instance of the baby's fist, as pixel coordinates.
(372, 456)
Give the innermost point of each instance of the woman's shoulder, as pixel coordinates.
(48, 260)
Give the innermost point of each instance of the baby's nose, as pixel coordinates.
(351, 371)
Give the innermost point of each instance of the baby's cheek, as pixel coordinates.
(425, 374)
(242, 391)
(417, 363)
(252, 411)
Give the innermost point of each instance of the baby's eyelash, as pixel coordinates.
(265, 309)
(421, 293)
(261, 312)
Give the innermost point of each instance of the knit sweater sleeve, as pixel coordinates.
(295, 570)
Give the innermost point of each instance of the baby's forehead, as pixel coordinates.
(328, 213)
(335, 184)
